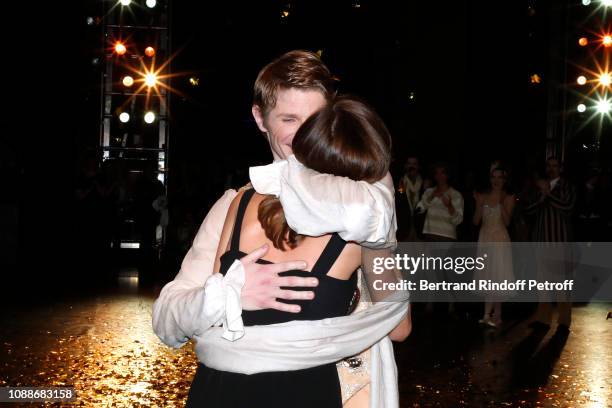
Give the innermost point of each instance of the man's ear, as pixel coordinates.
(259, 118)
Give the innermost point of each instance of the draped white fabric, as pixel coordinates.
(298, 345)
(365, 214)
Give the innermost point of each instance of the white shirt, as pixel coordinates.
(438, 221)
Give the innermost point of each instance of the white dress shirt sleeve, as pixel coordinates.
(316, 204)
(180, 311)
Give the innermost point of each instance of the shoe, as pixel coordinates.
(538, 325)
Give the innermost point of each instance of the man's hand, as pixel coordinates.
(262, 284)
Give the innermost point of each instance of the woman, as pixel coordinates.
(493, 213)
(345, 139)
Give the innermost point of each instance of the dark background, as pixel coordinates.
(451, 80)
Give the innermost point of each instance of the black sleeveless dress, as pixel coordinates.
(316, 387)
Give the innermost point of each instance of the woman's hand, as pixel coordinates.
(262, 285)
(403, 329)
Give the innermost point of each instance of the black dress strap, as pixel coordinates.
(244, 201)
(330, 253)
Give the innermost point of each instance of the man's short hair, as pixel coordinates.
(294, 69)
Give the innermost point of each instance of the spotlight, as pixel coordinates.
(151, 3)
(150, 79)
(583, 41)
(194, 81)
(125, 2)
(149, 51)
(120, 48)
(605, 79)
(606, 3)
(603, 106)
(149, 117)
(128, 81)
(581, 107)
(607, 40)
(586, 2)
(581, 80)
(90, 20)
(124, 117)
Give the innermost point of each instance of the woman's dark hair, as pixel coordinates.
(346, 138)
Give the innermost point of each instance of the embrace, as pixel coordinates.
(276, 290)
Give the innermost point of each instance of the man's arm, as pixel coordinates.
(316, 204)
(178, 312)
(181, 310)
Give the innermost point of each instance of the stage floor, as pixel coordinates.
(102, 344)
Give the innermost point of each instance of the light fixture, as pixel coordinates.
(583, 41)
(124, 117)
(606, 3)
(149, 117)
(603, 106)
(607, 40)
(149, 51)
(605, 79)
(128, 81)
(194, 81)
(581, 80)
(586, 2)
(150, 79)
(120, 48)
(125, 2)
(151, 3)
(581, 107)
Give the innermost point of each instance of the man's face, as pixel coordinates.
(412, 166)
(293, 107)
(553, 169)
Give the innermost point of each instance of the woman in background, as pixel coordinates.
(493, 213)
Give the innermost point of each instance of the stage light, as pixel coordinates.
(90, 20)
(150, 79)
(120, 48)
(606, 3)
(607, 40)
(535, 79)
(151, 3)
(149, 51)
(586, 2)
(125, 2)
(581, 80)
(605, 79)
(583, 41)
(603, 106)
(149, 117)
(581, 107)
(194, 81)
(124, 117)
(128, 81)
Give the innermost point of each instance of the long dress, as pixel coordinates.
(313, 387)
(494, 243)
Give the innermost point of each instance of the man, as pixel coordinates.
(287, 91)
(552, 209)
(411, 188)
